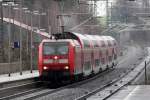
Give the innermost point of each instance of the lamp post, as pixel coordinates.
(20, 35)
(26, 22)
(31, 42)
(9, 38)
(32, 13)
(27, 12)
(1, 33)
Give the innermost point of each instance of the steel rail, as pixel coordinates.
(112, 83)
(68, 86)
(9, 92)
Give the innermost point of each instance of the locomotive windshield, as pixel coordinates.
(55, 48)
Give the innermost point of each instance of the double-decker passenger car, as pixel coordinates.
(73, 55)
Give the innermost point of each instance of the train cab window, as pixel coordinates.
(62, 50)
(55, 48)
(48, 50)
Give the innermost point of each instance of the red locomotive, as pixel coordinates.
(73, 55)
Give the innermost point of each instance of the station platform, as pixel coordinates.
(132, 92)
(16, 76)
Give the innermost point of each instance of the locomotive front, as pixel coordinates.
(54, 60)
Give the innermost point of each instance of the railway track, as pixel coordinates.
(79, 89)
(36, 93)
(45, 92)
(18, 82)
(82, 89)
(19, 90)
(93, 92)
(104, 92)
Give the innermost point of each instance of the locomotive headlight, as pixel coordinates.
(45, 67)
(47, 61)
(55, 57)
(66, 67)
